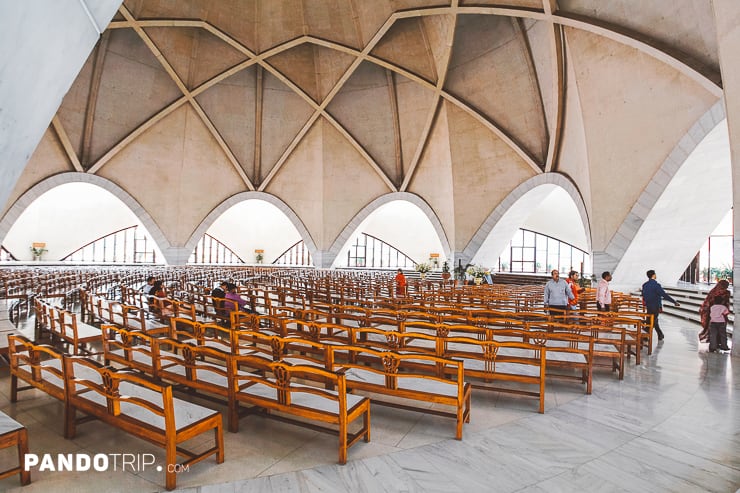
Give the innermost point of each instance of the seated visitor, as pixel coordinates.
(237, 302)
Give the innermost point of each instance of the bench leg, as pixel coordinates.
(13, 388)
(343, 440)
(366, 424)
(233, 417)
(170, 476)
(219, 436)
(22, 451)
(70, 426)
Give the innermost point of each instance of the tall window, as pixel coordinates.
(210, 250)
(297, 254)
(373, 253)
(530, 251)
(715, 259)
(5, 256)
(125, 246)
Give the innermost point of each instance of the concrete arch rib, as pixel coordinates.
(44, 186)
(329, 256)
(253, 195)
(555, 179)
(611, 256)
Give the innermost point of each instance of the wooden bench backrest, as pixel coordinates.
(282, 377)
(26, 360)
(133, 349)
(107, 383)
(196, 361)
(393, 365)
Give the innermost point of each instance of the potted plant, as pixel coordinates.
(422, 268)
(37, 250)
(259, 257)
(446, 271)
(478, 273)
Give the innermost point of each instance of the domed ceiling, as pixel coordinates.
(329, 105)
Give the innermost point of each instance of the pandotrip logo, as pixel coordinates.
(81, 462)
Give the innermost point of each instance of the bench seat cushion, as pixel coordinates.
(508, 368)
(404, 382)
(186, 413)
(566, 357)
(303, 399)
(8, 424)
(86, 331)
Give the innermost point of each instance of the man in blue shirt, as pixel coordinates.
(653, 296)
(557, 294)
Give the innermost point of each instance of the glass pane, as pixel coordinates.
(516, 254)
(517, 240)
(528, 254)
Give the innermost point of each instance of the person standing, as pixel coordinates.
(652, 297)
(557, 294)
(718, 325)
(720, 289)
(574, 288)
(400, 283)
(603, 293)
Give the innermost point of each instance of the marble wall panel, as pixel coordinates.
(635, 110)
(47, 160)
(305, 194)
(685, 25)
(415, 102)
(489, 70)
(231, 105)
(133, 87)
(432, 178)
(284, 113)
(405, 45)
(485, 170)
(177, 172)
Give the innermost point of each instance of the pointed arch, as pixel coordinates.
(555, 179)
(25, 200)
(252, 195)
(351, 227)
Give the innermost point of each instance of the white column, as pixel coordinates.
(727, 16)
(43, 46)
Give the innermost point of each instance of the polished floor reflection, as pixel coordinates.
(672, 424)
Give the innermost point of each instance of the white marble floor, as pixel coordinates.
(672, 424)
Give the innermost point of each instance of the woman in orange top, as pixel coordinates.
(400, 283)
(575, 289)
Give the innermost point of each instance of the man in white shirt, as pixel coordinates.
(557, 294)
(603, 294)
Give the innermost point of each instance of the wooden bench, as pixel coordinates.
(40, 366)
(497, 369)
(140, 407)
(414, 377)
(275, 388)
(14, 434)
(64, 325)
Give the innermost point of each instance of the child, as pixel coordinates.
(718, 325)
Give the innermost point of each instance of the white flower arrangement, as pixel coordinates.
(422, 268)
(477, 271)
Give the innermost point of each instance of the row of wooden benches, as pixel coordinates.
(137, 405)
